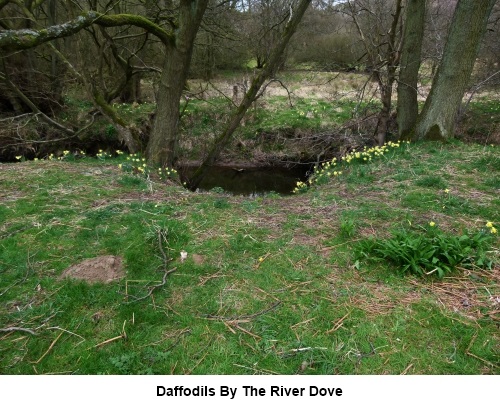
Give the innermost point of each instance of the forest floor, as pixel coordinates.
(108, 272)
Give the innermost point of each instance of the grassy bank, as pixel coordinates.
(270, 285)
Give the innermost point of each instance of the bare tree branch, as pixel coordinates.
(15, 40)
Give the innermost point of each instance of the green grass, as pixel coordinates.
(275, 287)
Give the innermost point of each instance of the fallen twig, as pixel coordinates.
(67, 331)
(108, 341)
(338, 324)
(246, 331)
(16, 329)
(122, 336)
(166, 272)
(48, 350)
(407, 369)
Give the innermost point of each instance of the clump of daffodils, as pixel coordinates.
(167, 173)
(490, 226)
(137, 164)
(330, 169)
(66, 155)
(103, 155)
(368, 154)
(324, 173)
(300, 187)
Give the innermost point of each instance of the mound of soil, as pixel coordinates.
(102, 269)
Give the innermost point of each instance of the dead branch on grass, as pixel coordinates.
(108, 341)
(166, 272)
(407, 369)
(338, 324)
(123, 335)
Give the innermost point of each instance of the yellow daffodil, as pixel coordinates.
(493, 230)
(489, 224)
(432, 223)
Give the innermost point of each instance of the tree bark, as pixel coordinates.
(437, 119)
(16, 40)
(268, 70)
(163, 141)
(411, 51)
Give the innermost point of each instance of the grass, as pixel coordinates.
(270, 284)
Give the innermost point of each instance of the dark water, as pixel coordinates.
(251, 181)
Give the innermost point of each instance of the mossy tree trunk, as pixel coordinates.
(163, 141)
(437, 119)
(411, 51)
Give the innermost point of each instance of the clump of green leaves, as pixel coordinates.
(347, 228)
(217, 190)
(429, 251)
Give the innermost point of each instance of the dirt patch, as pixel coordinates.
(198, 259)
(102, 269)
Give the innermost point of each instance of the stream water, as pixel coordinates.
(251, 180)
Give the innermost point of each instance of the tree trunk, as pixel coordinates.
(385, 114)
(163, 141)
(437, 119)
(250, 96)
(407, 104)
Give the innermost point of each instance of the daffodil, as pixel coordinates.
(489, 224)
(446, 191)
(432, 223)
(19, 157)
(493, 230)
